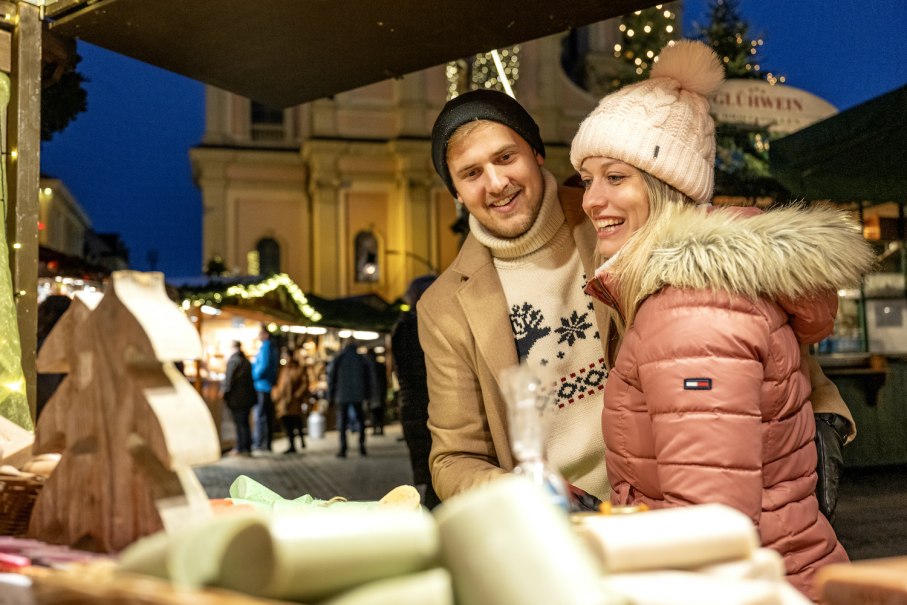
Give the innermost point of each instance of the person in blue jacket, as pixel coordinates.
(264, 373)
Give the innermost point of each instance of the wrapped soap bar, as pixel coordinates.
(763, 564)
(232, 551)
(507, 543)
(690, 588)
(671, 538)
(431, 587)
(320, 556)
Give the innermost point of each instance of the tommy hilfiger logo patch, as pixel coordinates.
(697, 384)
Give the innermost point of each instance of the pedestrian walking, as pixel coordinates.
(378, 400)
(240, 397)
(349, 387)
(289, 397)
(264, 373)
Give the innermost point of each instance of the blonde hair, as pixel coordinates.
(462, 132)
(664, 203)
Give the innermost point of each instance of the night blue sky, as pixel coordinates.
(126, 159)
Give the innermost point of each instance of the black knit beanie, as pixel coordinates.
(479, 105)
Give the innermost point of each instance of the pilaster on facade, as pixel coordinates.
(326, 250)
(249, 195)
(365, 168)
(418, 248)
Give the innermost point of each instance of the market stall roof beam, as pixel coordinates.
(286, 52)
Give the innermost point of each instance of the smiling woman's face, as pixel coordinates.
(615, 201)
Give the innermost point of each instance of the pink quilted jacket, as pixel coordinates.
(708, 400)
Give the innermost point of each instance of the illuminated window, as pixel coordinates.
(366, 248)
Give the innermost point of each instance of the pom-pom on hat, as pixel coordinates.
(479, 104)
(661, 125)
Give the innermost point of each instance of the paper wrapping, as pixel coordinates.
(293, 556)
(506, 543)
(431, 587)
(689, 588)
(672, 538)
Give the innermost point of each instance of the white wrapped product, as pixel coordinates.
(322, 555)
(431, 587)
(505, 543)
(672, 538)
(690, 588)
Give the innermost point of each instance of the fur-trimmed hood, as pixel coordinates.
(784, 253)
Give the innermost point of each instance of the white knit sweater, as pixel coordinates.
(556, 334)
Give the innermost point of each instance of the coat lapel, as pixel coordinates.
(482, 299)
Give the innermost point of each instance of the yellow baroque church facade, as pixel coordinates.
(340, 193)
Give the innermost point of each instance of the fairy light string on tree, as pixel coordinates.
(742, 159)
(643, 34)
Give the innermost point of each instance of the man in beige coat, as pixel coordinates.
(514, 293)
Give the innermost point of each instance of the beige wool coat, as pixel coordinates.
(465, 331)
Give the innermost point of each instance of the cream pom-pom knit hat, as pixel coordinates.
(661, 125)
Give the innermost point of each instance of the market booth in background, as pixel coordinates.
(856, 159)
(228, 309)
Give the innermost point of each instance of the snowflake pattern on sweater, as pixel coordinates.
(556, 339)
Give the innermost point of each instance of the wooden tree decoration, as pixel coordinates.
(122, 395)
(59, 416)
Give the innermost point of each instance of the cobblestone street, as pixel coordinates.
(316, 471)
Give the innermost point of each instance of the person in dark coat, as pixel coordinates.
(240, 397)
(349, 386)
(409, 364)
(378, 399)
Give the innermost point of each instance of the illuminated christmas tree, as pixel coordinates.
(643, 34)
(742, 155)
(728, 35)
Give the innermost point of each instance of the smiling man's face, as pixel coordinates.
(498, 178)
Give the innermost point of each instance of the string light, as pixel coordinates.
(643, 34)
(16, 386)
(484, 71)
(256, 290)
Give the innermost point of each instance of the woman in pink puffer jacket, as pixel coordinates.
(708, 400)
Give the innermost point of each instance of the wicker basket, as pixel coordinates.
(17, 498)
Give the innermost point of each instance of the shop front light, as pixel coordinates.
(365, 335)
(209, 310)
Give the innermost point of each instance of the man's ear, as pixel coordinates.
(539, 158)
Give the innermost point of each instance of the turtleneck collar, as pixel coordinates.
(547, 223)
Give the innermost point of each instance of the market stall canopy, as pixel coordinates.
(857, 155)
(286, 52)
(278, 298)
(363, 312)
(271, 298)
